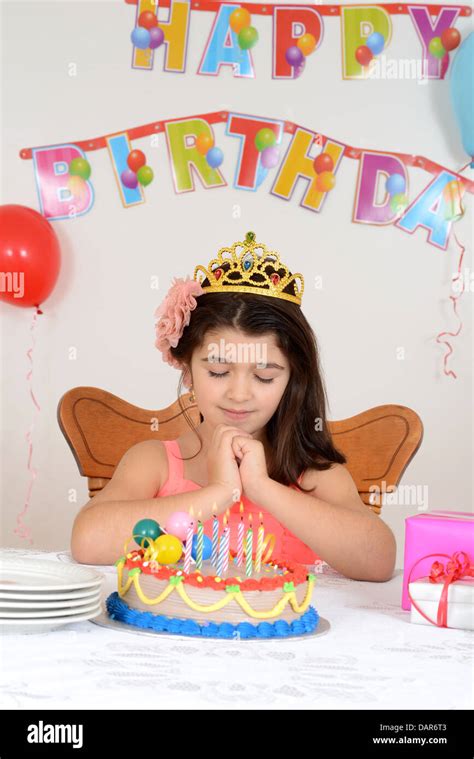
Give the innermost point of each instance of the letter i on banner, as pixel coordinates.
(119, 148)
(297, 164)
(250, 173)
(222, 48)
(175, 31)
(426, 30)
(358, 23)
(289, 24)
(430, 210)
(61, 196)
(181, 138)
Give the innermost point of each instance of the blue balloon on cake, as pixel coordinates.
(146, 528)
(206, 547)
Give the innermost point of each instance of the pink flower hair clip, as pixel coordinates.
(174, 315)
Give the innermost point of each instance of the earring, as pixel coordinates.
(192, 397)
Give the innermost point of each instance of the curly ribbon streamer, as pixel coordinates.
(458, 566)
(456, 201)
(22, 529)
(453, 298)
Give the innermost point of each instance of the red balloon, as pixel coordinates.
(30, 256)
(364, 55)
(136, 159)
(450, 38)
(147, 20)
(323, 162)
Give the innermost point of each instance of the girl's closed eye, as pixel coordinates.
(223, 374)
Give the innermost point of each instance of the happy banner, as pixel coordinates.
(307, 172)
(297, 33)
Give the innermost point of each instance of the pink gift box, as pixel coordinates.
(434, 532)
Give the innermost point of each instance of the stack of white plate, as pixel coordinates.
(44, 594)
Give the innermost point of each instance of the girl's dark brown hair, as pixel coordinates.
(298, 430)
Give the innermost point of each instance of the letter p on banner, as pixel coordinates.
(359, 22)
(289, 24)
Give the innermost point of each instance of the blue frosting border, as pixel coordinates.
(119, 610)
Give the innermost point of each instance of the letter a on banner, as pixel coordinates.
(223, 48)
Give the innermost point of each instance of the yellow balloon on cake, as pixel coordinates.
(169, 549)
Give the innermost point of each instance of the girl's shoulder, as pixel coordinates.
(334, 485)
(138, 476)
(150, 464)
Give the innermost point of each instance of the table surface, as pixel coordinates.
(373, 657)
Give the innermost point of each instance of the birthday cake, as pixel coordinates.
(212, 601)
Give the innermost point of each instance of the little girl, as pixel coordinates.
(263, 448)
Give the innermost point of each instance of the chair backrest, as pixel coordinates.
(100, 427)
(378, 443)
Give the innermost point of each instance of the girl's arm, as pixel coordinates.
(335, 523)
(102, 526)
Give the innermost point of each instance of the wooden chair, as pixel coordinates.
(378, 443)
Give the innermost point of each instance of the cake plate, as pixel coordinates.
(103, 620)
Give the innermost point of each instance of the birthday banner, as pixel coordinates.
(306, 172)
(297, 33)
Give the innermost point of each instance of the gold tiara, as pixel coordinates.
(249, 267)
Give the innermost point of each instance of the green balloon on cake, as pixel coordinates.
(146, 528)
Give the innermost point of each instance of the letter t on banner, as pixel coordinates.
(250, 173)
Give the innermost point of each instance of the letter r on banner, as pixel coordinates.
(185, 157)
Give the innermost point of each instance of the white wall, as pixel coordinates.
(382, 289)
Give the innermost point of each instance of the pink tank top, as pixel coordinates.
(287, 546)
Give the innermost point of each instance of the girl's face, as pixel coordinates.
(235, 372)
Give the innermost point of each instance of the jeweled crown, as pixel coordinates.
(249, 267)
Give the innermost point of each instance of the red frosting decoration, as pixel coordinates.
(297, 574)
(217, 273)
(275, 279)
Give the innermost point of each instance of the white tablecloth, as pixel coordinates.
(371, 658)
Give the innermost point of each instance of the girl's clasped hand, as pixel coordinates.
(237, 461)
